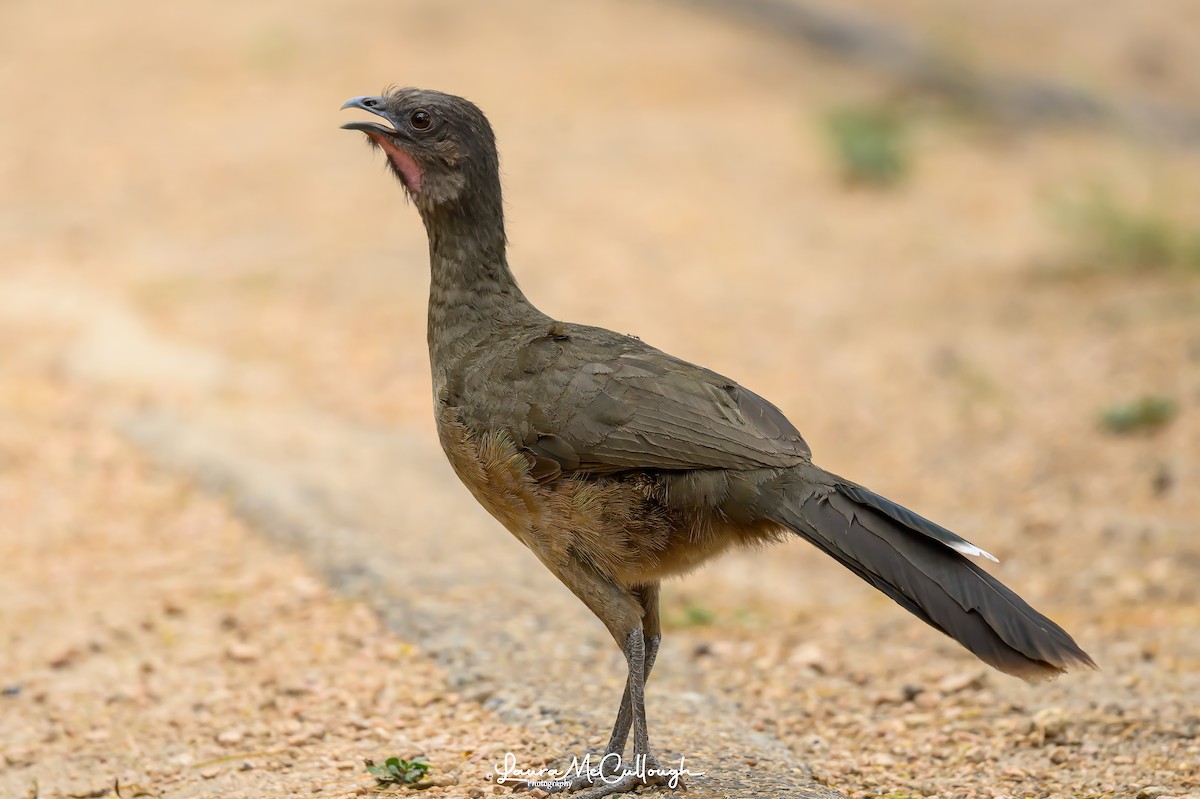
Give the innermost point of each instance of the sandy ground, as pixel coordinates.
(666, 175)
(153, 644)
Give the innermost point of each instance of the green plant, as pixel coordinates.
(870, 144)
(697, 615)
(1147, 413)
(397, 771)
(1119, 236)
(691, 614)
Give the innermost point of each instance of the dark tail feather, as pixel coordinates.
(919, 564)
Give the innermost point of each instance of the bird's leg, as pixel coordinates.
(631, 616)
(641, 649)
(621, 612)
(647, 596)
(620, 730)
(637, 774)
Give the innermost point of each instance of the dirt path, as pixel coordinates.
(152, 643)
(1129, 71)
(196, 258)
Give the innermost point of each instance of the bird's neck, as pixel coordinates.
(471, 289)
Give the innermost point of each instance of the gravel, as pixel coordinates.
(191, 262)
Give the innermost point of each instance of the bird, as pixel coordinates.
(619, 465)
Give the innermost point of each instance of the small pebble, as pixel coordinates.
(955, 683)
(1153, 792)
(230, 737)
(63, 659)
(242, 653)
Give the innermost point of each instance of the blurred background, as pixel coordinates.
(958, 243)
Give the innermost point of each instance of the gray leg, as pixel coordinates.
(640, 646)
(647, 596)
(635, 656)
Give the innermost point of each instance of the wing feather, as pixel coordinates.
(611, 403)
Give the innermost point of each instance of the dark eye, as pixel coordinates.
(420, 119)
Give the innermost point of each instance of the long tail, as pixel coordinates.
(924, 568)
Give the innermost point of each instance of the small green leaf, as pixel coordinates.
(1148, 413)
(870, 144)
(398, 771)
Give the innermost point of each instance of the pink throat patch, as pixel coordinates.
(404, 163)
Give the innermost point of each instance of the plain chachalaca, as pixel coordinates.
(619, 465)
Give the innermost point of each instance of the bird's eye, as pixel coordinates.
(420, 119)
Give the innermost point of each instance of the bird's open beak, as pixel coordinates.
(411, 173)
(373, 104)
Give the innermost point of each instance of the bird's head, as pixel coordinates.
(441, 147)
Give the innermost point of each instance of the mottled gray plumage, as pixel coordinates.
(619, 465)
